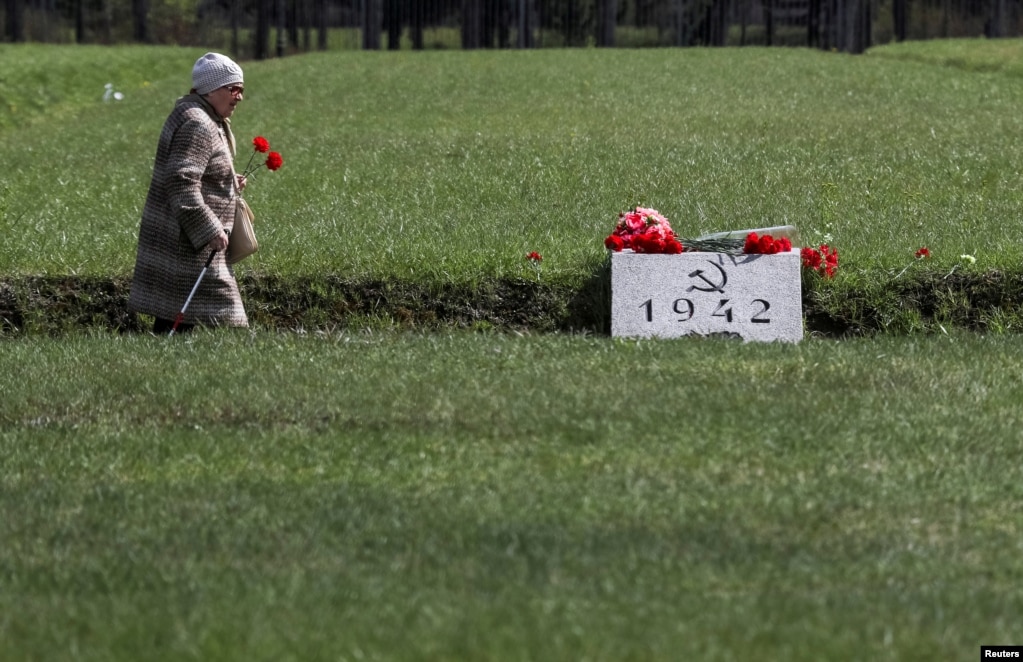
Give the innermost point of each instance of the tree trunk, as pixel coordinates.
(813, 23)
(282, 28)
(321, 24)
(416, 20)
(900, 19)
(371, 22)
(525, 35)
(607, 19)
(15, 24)
(139, 12)
(504, 19)
(718, 23)
(494, 21)
(678, 18)
(857, 22)
(306, 18)
(234, 27)
(487, 23)
(107, 11)
(292, 13)
(392, 23)
(832, 24)
(743, 21)
(80, 21)
(995, 27)
(261, 47)
(572, 26)
(472, 24)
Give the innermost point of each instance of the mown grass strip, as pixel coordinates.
(487, 496)
(441, 167)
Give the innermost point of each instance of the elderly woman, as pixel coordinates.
(190, 208)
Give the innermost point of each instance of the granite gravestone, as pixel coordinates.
(755, 297)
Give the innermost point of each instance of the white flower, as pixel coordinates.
(968, 258)
(109, 93)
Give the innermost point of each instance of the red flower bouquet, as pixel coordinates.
(261, 145)
(643, 230)
(766, 244)
(823, 260)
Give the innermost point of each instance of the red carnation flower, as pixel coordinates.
(811, 258)
(534, 262)
(648, 242)
(766, 245)
(614, 243)
(923, 253)
(261, 145)
(823, 260)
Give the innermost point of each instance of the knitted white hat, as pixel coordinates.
(213, 71)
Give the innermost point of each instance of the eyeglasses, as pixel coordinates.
(235, 90)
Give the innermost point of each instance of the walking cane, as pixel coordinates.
(181, 315)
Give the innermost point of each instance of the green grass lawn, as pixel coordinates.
(491, 497)
(356, 492)
(439, 170)
(450, 166)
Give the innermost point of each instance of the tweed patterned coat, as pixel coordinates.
(191, 197)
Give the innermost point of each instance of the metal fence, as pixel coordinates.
(268, 28)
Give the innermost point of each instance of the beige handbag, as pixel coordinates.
(242, 242)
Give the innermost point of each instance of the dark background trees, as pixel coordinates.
(268, 28)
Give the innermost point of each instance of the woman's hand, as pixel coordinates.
(240, 181)
(219, 242)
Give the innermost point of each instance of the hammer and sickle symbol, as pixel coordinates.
(713, 287)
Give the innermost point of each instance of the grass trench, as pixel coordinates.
(923, 303)
(425, 451)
